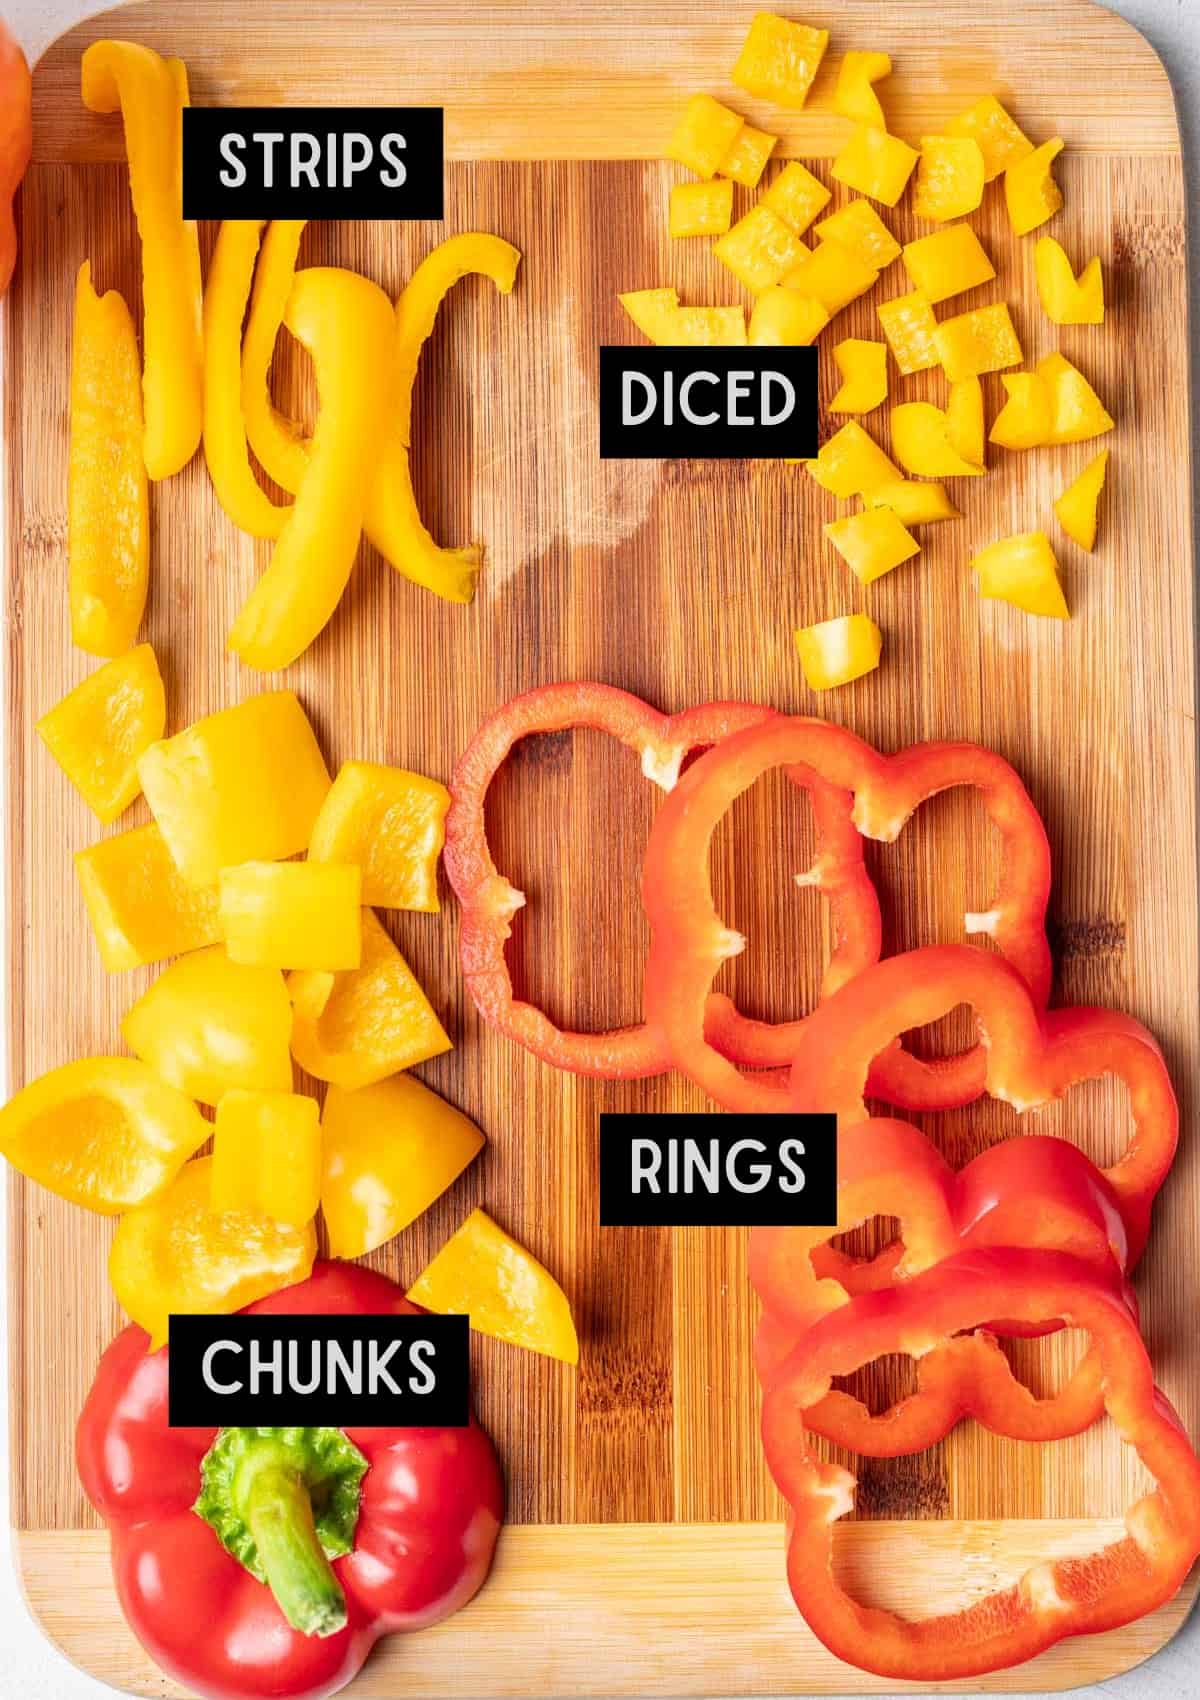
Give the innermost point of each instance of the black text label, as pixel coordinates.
(708, 403)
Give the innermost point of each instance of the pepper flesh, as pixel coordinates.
(784, 317)
(858, 227)
(140, 906)
(16, 141)
(1076, 507)
(853, 95)
(391, 824)
(98, 730)
(984, 340)
(864, 385)
(1022, 570)
(1076, 412)
(947, 263)
(700, 209)
(922, 444)
(910, 327)
(872, 542)
(836, 652)
(1000, 138)
(1030, 192)
(833, 275)
(267, 1156)
(875, 164)
(950, 177)
(851, 463)
(659, 316)
(747, 158)
(292, 914)
(704, 135)
(1024, 420)
(779, 59)
(1067, 299)
(759, 249)
(796, 196)
(277, 441)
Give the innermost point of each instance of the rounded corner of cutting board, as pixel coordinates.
(39, 1562)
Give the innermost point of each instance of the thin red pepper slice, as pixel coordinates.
(488, 902)
(1056, 1599)
(689, 942)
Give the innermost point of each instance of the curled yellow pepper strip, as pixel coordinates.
(150, 93)
(278, 442)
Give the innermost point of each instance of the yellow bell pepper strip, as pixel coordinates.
(108, 516)
(1023, 570)
(266, 1157)
(984, 340)
(705, 135)
(390, 1151)
(482, 1273)
(796, 196)
(858, 227)
(178, 1255)
(658, 315)
(104, 1132)
(277, 441)
(835, 652)
(921, 503)
(292, 914)
(1030, 192)
(875, 164)
(1067, 299)
(759, 249)
(785, 318)
(779, 59)
(207, 1025)
(392, 825)
(241, 785)
(98, 730)
(150, 94)
(1077, 506)
(701, 209)
(141, 908)
(1024, 420)
(225, 449)
(747, 158)
(921, 443)
(863, 366)
(16, 140)
(909, 326)
(872, 542)
(359, 1026)
(1001, 139)
(1076, 411)
(851, 463)
(832, 275)
(853, 95)
(947, 263)
(965, 421)
(949, 178)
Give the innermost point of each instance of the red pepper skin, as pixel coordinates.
(16, 141)
(1059, 1598)
(432, 1505)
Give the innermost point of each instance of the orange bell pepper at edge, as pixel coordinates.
(16, 140)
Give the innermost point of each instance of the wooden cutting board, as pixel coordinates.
(645, 1553)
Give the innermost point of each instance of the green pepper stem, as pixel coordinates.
(279, 1513)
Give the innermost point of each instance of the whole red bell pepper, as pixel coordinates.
(254, 1562)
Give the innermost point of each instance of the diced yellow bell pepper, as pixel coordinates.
(1022, 570)
(984, 340)
(482, 1273)
(858, 227)
(390, 1150)
(872, 542)
(910, 327)
(1067, 299)
(863, 366)
(853, 95)
(98, 730)
(1076, 507)
(701, 209)
(1076, 411)
(779, 59)
(921, 503)
(266, 1156)
(104, 1132)
(747, 158)
(1030, 192)
(359, 1026)
(207, 1025)
(851, 463)
(178, 1255)
(921, 443)
(796, 196)
(834, 652)
(875, 164)
(704, 135)
(759, 248)
(1000, 138)
(786, 318)
(965, 422)
(947, 263)
(833, 276)
(140, 906)
(241, 785)
(292, 914)
(391, 824)
(949, 178)
(658, 315)
(1024, 420)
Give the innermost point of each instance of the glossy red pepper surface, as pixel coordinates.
(16, 139)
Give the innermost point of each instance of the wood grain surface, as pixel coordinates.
(680, 581)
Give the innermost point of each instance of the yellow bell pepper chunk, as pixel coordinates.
(701, 209)
(244, 784)
(872, 542)
(779, 59)
(833, 276)
(658, 315)
(863, 366)
(179, 1255)
(983, 340)
(208, 1024)
(1077, 506)
(104, 1132)
(834, 652)
(1022, 570)
(266, 1157)
(1001, 139)
(391, 1150)
(1024, 420)
(965, 421)
(851, 463)
(853, 96)
(875, 164)
(108, 519)
(704, 135)
(391, 824)
(858, 227)
(949, 178)
(292, 914)
(747, 158)
(796, 196)
(910, 327)
(140, 906)
(1030, 192)
(921, 442)
(98, 730)
(786, 318)
(947, 263)
(759, 248)
(921, 503)
(482, 1273)
(1076, 411)
(359, 1026)
(1067, 299)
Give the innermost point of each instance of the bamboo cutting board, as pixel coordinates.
(645, 1552)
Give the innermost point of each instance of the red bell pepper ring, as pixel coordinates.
(661, 742)
(689, 942)
(16, 142)
(1056, 1599)
(418, 1528)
